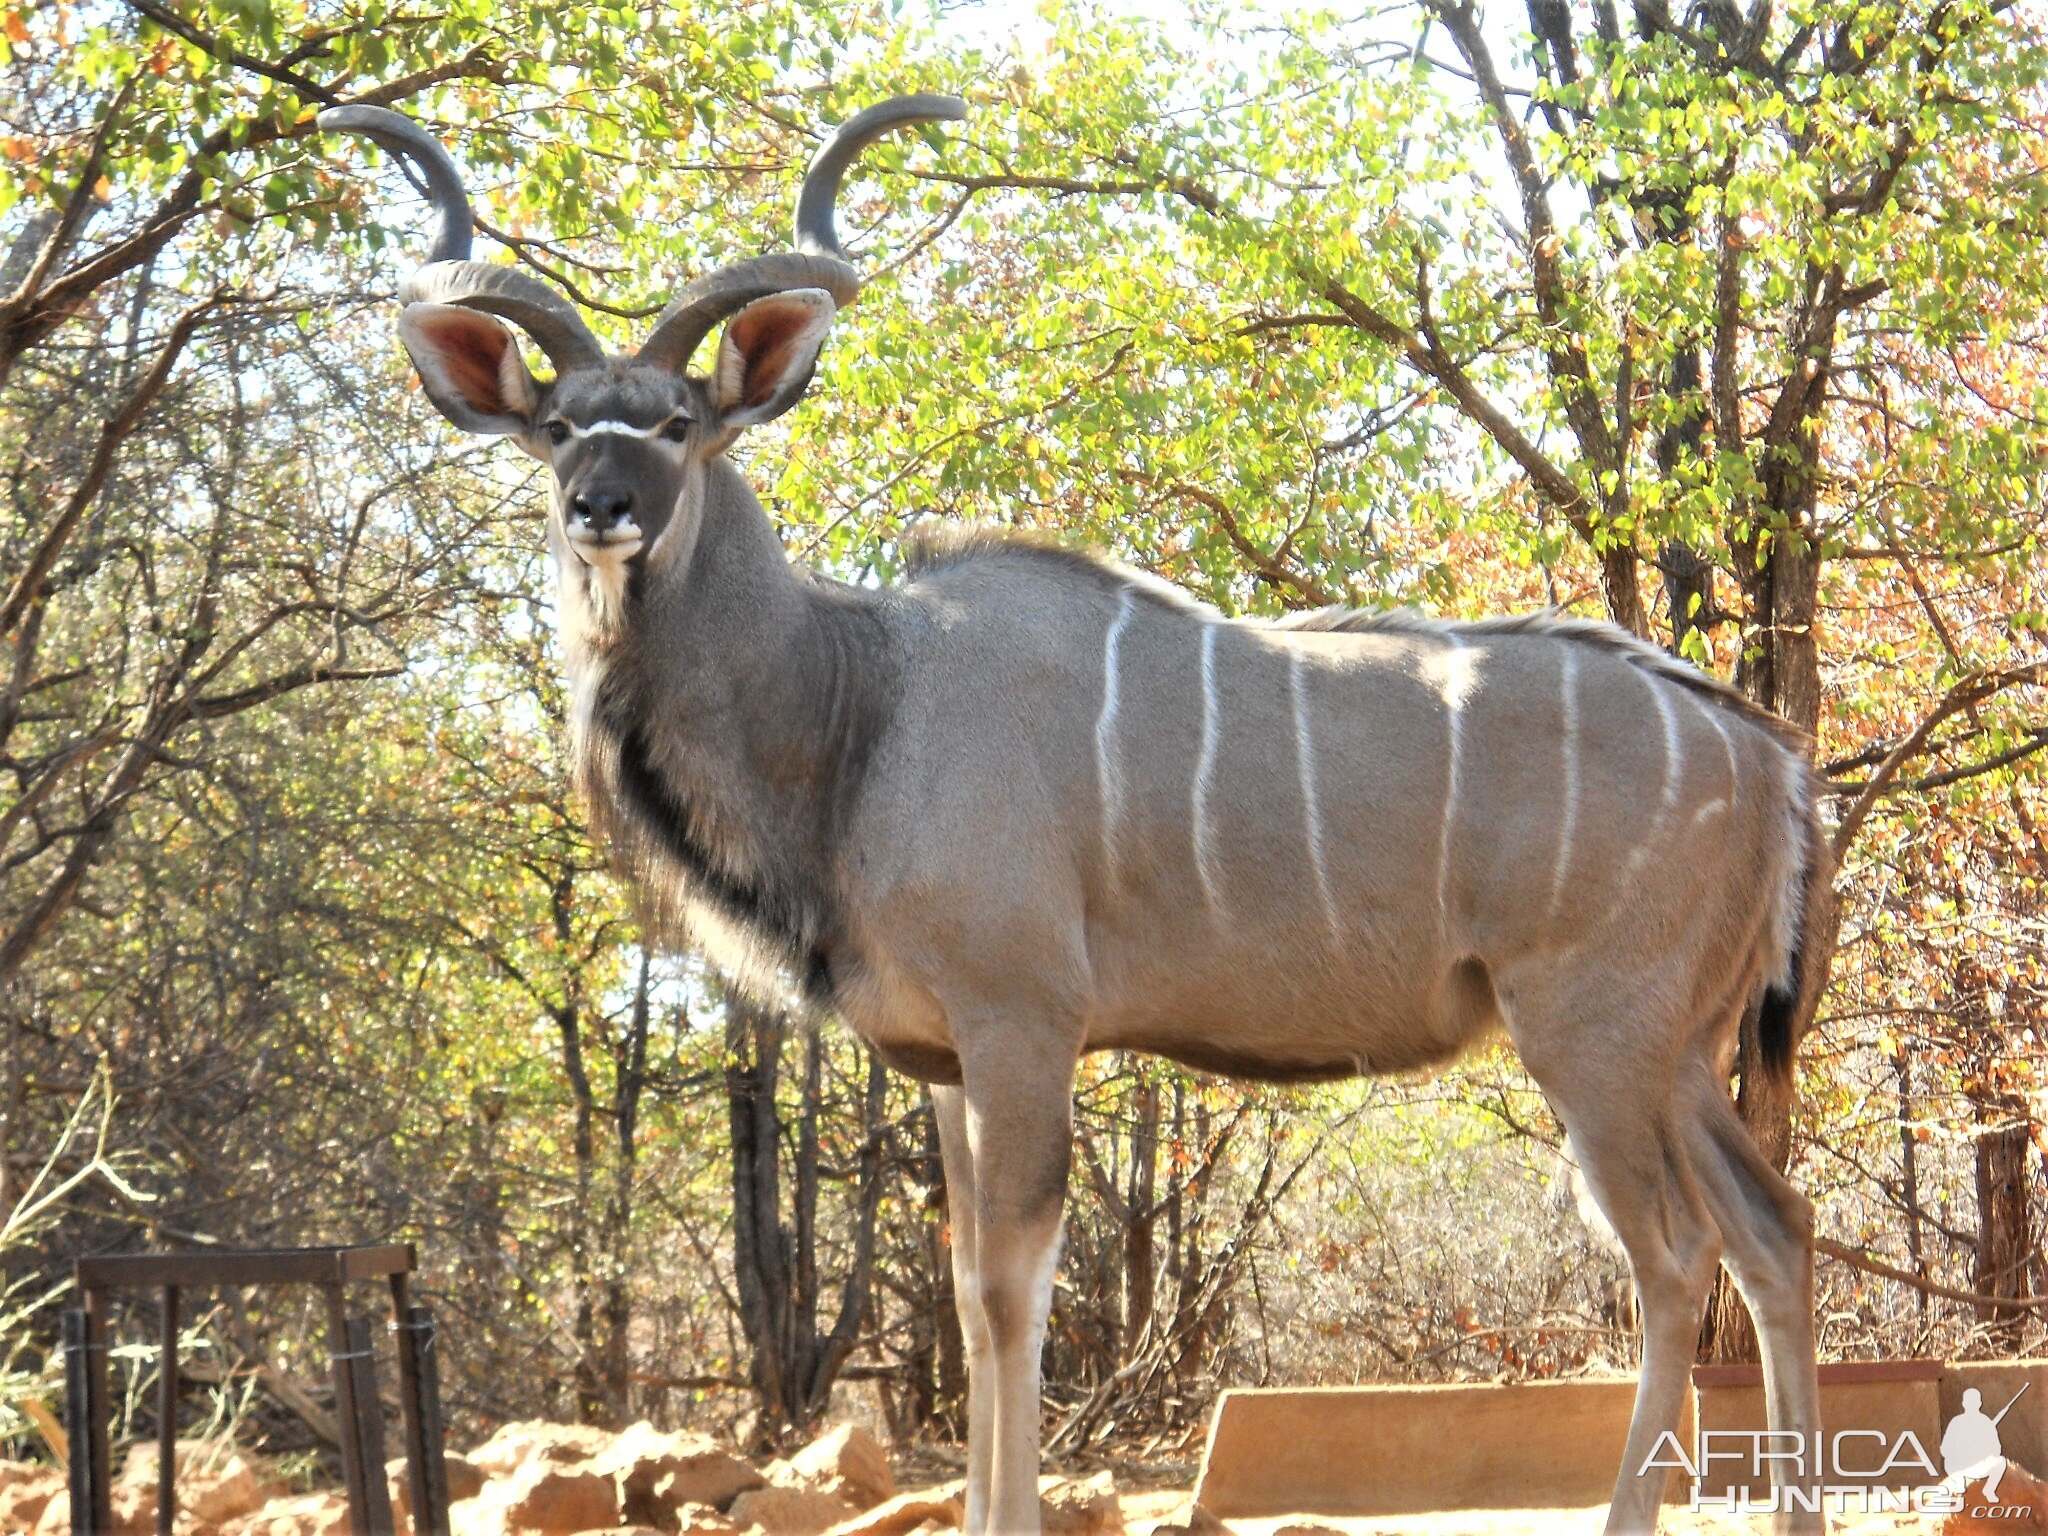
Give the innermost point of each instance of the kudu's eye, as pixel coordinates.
(558, 432)
(677, 428)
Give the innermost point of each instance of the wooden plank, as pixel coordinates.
(201, 1267)
(375, 1262)
(167, 1415)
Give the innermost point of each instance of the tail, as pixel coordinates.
(1806, 909)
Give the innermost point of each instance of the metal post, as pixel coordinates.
(78, 1414)
(99, 1507)
(423, 1470)
(346, 1421)
(369, 1427)
(430, 1497)
(167, 1415)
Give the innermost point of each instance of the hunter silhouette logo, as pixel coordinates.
(1969, 1446)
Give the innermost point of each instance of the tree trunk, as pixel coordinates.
(1140, 1215)
(2005, 1236)
(616, 1301)
(753, 1050)
(795, 1358)
(589, 1388)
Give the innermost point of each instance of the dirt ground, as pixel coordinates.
(1143, 1511)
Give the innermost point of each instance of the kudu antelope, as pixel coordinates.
(1030, 804)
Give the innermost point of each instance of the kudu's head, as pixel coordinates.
(626, 439)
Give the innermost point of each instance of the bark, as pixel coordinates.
(1141, 1217)
(615, 1304)
(796, 1357)
(2005, 1236)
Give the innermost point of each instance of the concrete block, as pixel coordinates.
(1391, 1450)
(1886, 1396)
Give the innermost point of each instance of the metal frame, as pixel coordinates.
(358, 1416)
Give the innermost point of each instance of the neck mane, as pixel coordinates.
(724, 727)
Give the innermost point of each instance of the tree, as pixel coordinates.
(1706, 306)
(796, 1352)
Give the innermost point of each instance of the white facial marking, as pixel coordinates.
(1458, 672)
(1205, 768)
(1305, 765)
(1568, 818)
(604, 553)
(1106, 778)
(622, 428)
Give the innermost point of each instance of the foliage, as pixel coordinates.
(1727, 326)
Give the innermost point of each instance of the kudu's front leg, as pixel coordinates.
(1010, 1126)
(949, 1109)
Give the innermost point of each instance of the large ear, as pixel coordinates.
(471, 366)
(766, 355)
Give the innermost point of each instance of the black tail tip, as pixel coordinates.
(1777, 1023)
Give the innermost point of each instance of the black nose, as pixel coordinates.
(603, 509)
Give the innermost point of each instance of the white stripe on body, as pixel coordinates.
(1205, 768)
(1108, 780)
(1734, 775)
(1305, 766)
(1568, 819)
(1459, 671)
(1667, 796)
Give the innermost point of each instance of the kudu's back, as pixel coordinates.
(1345, 845)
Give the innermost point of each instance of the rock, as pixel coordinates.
(847, 1461)
(515, 1445)
(2022, 1507)
(55, 1520)
(216, 1481)
(1085, 1508)
(312, 1514)
(544, 1499)
(655, 1472)
(26, 1489)
(786, 1511)
(1199, 1522)
(1306, 1530)
(907, 1512)
(132, 1515)
(703, 1520)
(465, 1481)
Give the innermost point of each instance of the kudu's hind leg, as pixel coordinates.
(949, 1110)
(1767, 1236)
(1636, 1169)
(1017, 1098)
